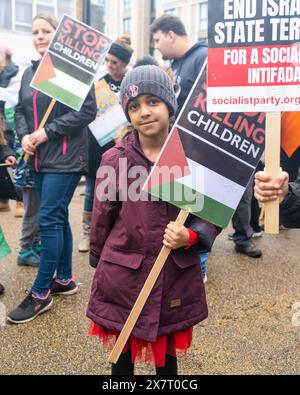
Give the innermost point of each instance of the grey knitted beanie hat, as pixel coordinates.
(147, 80)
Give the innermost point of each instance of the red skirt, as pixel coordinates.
(174, 344)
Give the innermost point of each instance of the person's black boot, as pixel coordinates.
(2, 289)
(250, 250)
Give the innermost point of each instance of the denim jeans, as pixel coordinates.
(30, 235)
(56, 191)
(203, 258)
(89, 194)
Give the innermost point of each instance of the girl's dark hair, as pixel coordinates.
(168, 23)
(48, 18)
(148, 59)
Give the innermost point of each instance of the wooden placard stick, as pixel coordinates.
(5, 165)
(44, 120)
(143, 296)
(272, 167)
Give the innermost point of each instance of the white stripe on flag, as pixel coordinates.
(212, 185)
(70, 84)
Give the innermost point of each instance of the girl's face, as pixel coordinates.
(149, 115)
(42, 33)
(116, 68)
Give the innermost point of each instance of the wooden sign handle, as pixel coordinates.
(44, 120)
(5, 165)
(272, 167)
(143, 296)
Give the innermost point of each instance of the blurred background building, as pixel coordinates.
(113, 17)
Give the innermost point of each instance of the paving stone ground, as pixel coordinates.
(253, 325)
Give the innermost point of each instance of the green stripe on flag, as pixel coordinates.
(60, 94)
(196, 203)
(4, 248)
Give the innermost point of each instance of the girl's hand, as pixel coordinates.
(176, 236)
(11, 160)
(267, 188)
(27, 146)
(38, 137)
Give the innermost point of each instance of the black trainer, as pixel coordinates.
(60, 289)
(30, 308)
(250, 250)
(2, 289)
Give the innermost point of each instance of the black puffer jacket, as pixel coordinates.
(66, 149)
(290, 207)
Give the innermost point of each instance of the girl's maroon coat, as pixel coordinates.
(126, 237)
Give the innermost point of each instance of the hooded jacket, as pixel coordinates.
(187, 68)
(66, 149)
(126, 238)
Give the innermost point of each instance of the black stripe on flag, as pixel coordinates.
(215, 160)
(71, 70)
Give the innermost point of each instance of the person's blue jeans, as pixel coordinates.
(89, 194)
(56, 191)
(203, 258)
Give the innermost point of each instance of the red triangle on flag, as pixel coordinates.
(171, 165)
(45, 71)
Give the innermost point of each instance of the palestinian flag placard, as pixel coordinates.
(71, 63)
(110, 115)
(208, 158)
(253, 55)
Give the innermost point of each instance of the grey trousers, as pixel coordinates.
(241, 219)
(30, 227)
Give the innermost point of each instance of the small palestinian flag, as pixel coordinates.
(62, 81)
(4, 248)
(181, 180)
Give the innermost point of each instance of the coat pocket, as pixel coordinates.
(185, 258)
(119, 280)
(131, 260)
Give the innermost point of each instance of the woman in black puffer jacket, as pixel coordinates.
(58, 159)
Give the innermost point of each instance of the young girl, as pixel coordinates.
(128, 233)
(117, 61)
